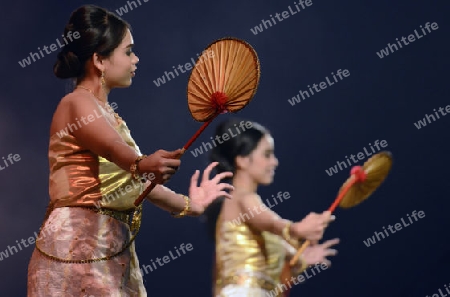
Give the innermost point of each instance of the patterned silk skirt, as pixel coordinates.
(75, 234)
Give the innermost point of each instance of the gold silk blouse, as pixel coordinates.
(247, 257)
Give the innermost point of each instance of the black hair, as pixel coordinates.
(242, 142)
(98, 30)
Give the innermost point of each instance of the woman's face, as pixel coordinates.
(121, 65)
(262, 162)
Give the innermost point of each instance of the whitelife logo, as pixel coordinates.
(124, 9)
(27, 61)
(441, 294)
(323, 85)
(297, 280)
(360, 155)
(371, 240)
(285, 14)
(423, 123)
(11, 159)
(167, 259)
(243, 217)
(411, 38)
(188, 66)
(90, 118)
(207, 146)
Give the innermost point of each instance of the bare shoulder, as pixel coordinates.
(231, 208)
(78, 99)
(64, 110)
(248, 200)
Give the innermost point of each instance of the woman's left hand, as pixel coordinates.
(318, 253)
(209, 189)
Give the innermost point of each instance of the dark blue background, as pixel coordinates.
(381, 99)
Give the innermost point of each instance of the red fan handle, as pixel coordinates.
(218, 102)
(357, 175)
(186, 146)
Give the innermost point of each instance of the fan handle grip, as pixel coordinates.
(147, 191)
(357, 175)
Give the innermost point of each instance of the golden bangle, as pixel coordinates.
(187, 208)
(134, 168)
(286, 232)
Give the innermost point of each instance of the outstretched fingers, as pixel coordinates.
(326, 246)
(208, 170)
(330, 252)
(224, 194)
(223, 187)
(330, 243)
(221, 176)
(194, 178)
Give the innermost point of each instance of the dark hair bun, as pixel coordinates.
(98, 31)
(224, 164)
(67, 65)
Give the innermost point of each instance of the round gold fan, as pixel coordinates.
(224, 79)
(376, 170)
(362, 182)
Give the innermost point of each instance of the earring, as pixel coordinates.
(102, 79)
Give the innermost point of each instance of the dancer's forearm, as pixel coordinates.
(166, 199)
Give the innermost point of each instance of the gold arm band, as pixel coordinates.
(286, 231)
(187, 208)
(134, 168)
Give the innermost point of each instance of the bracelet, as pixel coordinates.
(134, 168)
(286, 232)
(186, 209)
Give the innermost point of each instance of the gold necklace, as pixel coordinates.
(108, 107)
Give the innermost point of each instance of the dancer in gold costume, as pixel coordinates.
(86, 243)
(253, 243)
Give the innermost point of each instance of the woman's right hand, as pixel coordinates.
(312, 226)
(160, 166)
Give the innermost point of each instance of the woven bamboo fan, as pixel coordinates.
(362, 182)
(224, 79)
